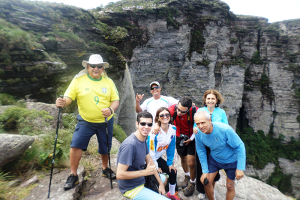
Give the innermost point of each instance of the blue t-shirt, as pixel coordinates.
(132, 152)
(225, 145)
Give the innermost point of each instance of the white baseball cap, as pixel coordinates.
(154, 82)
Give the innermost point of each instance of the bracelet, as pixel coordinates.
(111, 110)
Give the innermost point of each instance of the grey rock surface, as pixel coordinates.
(51, 109)
(262, 174)
(292, 168)
(12, 146)
(30, 181)
(126, 111)
(57, 191)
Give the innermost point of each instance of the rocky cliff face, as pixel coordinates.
(218, 50)
(42, 46)
(188, 46)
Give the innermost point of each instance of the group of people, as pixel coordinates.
(201, 136)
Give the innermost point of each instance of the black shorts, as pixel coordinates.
(187, 149)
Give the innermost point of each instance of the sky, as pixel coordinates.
(274, 10)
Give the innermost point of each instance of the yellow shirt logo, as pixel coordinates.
(152, 145)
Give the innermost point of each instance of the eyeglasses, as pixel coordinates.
(183, 112)
(144, 124)
(155, 87)
(96, 65)
(164, 115)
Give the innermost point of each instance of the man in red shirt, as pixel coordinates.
(182, 114)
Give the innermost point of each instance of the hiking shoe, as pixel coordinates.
(189, 190)
(185, 181)
(201, 196)
(106, 173)
(71, 181)
(174, 197)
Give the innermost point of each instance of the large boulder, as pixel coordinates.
(12, 146)
(50, 108)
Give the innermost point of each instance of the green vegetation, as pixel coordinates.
(256, 58)
(233, 40)
(213, 5)
(37, 158)
(204, 62)
(169, 13)
(262, 149)
(197, 43)
(4, 185)
(24, 121)
(7, 99)
(280, 180)
(264, 83)
(118, 133)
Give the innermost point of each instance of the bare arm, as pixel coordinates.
(63, 102)
(114, 105)
(138, 99)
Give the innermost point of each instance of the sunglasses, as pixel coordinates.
(164, 115)
(144, 124)
(155, 87)
(182, 111)
(96, 65)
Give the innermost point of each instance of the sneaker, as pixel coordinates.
(174, 197)
(71, 181)
(185, 181)
(189, 190)
(106, 173)
(201, 196)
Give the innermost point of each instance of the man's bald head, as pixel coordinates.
(201, 114)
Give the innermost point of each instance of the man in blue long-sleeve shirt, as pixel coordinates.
(227, 152)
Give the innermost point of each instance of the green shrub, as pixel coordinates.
(256, 58)
(262, 149)
(280, 180)
(7, 99)
(204, 62)
(23, 120)
(69, 121)
(119, 33)
(34, 79)
(118, 133)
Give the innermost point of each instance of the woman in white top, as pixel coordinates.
(165, 142)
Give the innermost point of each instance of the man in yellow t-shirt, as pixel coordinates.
(97, 98)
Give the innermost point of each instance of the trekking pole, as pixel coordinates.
(106, 122)
(59, 111)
